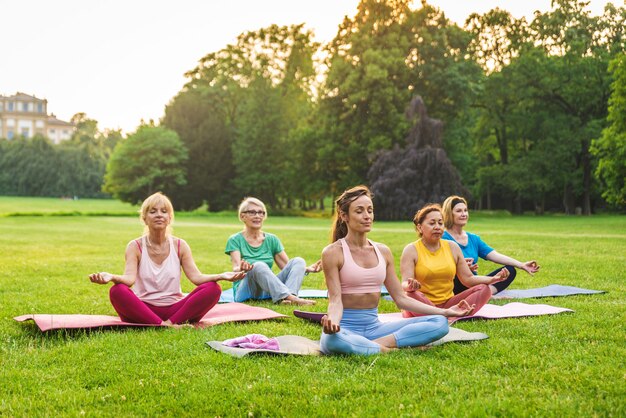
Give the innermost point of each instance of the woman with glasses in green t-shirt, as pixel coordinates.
(255, 251)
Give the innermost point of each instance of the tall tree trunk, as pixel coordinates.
(586, 161)
(517, 201)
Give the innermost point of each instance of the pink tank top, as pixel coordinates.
(357, 279)
(158, 284)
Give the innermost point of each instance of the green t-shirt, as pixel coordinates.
(265, 252)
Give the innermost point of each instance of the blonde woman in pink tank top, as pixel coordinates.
(149, 291)
(355, 268)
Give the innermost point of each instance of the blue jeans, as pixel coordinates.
(360, 326)
(262, 283)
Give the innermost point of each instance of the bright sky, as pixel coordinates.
(120, 61)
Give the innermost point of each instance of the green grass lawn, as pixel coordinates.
(563, 365)
(22, 206)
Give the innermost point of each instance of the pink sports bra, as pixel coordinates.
(357, 279)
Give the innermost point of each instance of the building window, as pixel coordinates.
(10, 134)
(40, 107)
(51, 131)
(10, 107)
(25, 132)
(25, 107)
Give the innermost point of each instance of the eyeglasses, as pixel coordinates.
(255, 212)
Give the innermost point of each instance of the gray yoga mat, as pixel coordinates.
(553, 290)
(296, 345)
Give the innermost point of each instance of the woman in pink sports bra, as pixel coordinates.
(354, 269)
(149, 291)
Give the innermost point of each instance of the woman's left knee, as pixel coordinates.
(512, 272)
(211, 286)
(298, 261)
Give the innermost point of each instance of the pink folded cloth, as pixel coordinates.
(255, 341)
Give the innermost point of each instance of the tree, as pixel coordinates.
(365, 93)
(379, 60)
(150, 160)
(262, 86)
(553, 68)
(202, 125)
(610, 148)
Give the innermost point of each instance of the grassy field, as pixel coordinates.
(564, 365)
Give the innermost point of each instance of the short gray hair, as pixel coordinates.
(243, 206)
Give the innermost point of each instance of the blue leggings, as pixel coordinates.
(360, 326)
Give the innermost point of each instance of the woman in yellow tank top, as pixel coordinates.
(429, 265)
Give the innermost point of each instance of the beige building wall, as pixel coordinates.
(26, 115)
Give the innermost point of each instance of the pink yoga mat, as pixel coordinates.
(489, 311)
(228, 312)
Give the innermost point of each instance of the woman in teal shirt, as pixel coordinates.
(255, 251)
(455, 217)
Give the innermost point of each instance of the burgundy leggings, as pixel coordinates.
(189, 309)
(477, 295)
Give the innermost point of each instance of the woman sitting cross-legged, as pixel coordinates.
(455, 217)
(355, 268)
(431, 263)
(255, 251)
(149, 291)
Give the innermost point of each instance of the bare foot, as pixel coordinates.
(385, 349)
(169, 324)
(294, 300)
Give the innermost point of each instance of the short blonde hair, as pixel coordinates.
(152, 201)
(245, 203)
(448, 207)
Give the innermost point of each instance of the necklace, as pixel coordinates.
(157, 251)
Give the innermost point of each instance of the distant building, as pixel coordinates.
(26, 115)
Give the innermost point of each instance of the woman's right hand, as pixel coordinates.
(101, 278)
(328, 326)
(245, 266)
(232, 276)
(502, 275)
(410, 285)
(460, 309)
(470, 263)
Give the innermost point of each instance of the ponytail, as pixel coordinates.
(342, 205)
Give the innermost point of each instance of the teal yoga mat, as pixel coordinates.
(227, 295)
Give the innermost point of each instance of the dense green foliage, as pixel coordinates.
(611, 146)
(281, 117)
(563, 365)
(521, 103)
(150, 160)
(75, 168)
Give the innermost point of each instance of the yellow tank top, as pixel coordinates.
(435, 271)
